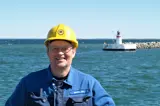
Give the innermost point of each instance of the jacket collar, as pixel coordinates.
(70, 79)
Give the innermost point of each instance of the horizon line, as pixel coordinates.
(79, 38)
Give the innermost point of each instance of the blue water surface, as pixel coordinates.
(131, 78)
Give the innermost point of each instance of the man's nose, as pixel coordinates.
(60, 50)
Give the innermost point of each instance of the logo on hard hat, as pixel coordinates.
(60, 32)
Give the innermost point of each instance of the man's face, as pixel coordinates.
(60, 54)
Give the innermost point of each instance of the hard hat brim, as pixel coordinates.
(75, 43)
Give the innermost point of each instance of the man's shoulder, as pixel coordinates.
(83, 75)
(36, 75)
(39, 72)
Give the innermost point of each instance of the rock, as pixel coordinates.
(148, 45)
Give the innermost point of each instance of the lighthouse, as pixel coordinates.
(118, 45)
(118, 38)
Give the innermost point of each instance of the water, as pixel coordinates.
(131, 78)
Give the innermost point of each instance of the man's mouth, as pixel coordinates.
(60, 58)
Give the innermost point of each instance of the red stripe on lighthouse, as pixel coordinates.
(118, 36)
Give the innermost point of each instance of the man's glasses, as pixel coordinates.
(58, 49)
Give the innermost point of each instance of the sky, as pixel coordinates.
(135, 19)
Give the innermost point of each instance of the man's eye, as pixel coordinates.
(64, 49)
(54, 48)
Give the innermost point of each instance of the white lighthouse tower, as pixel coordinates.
(118, 38)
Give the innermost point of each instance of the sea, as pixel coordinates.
(130, 78)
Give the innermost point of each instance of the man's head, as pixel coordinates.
(61, 46)
(62, 32)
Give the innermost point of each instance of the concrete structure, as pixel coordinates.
(118, 45)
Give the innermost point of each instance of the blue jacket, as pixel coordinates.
(78, 86)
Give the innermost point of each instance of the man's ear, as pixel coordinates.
(74, 52)
(47, 50)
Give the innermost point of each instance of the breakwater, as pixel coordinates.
(147, 45)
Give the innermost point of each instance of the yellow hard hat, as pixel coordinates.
(62, 32)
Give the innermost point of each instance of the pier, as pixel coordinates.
(147, 45)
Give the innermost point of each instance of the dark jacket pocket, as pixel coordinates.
(79, 101)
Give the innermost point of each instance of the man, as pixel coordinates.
(60, 84)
